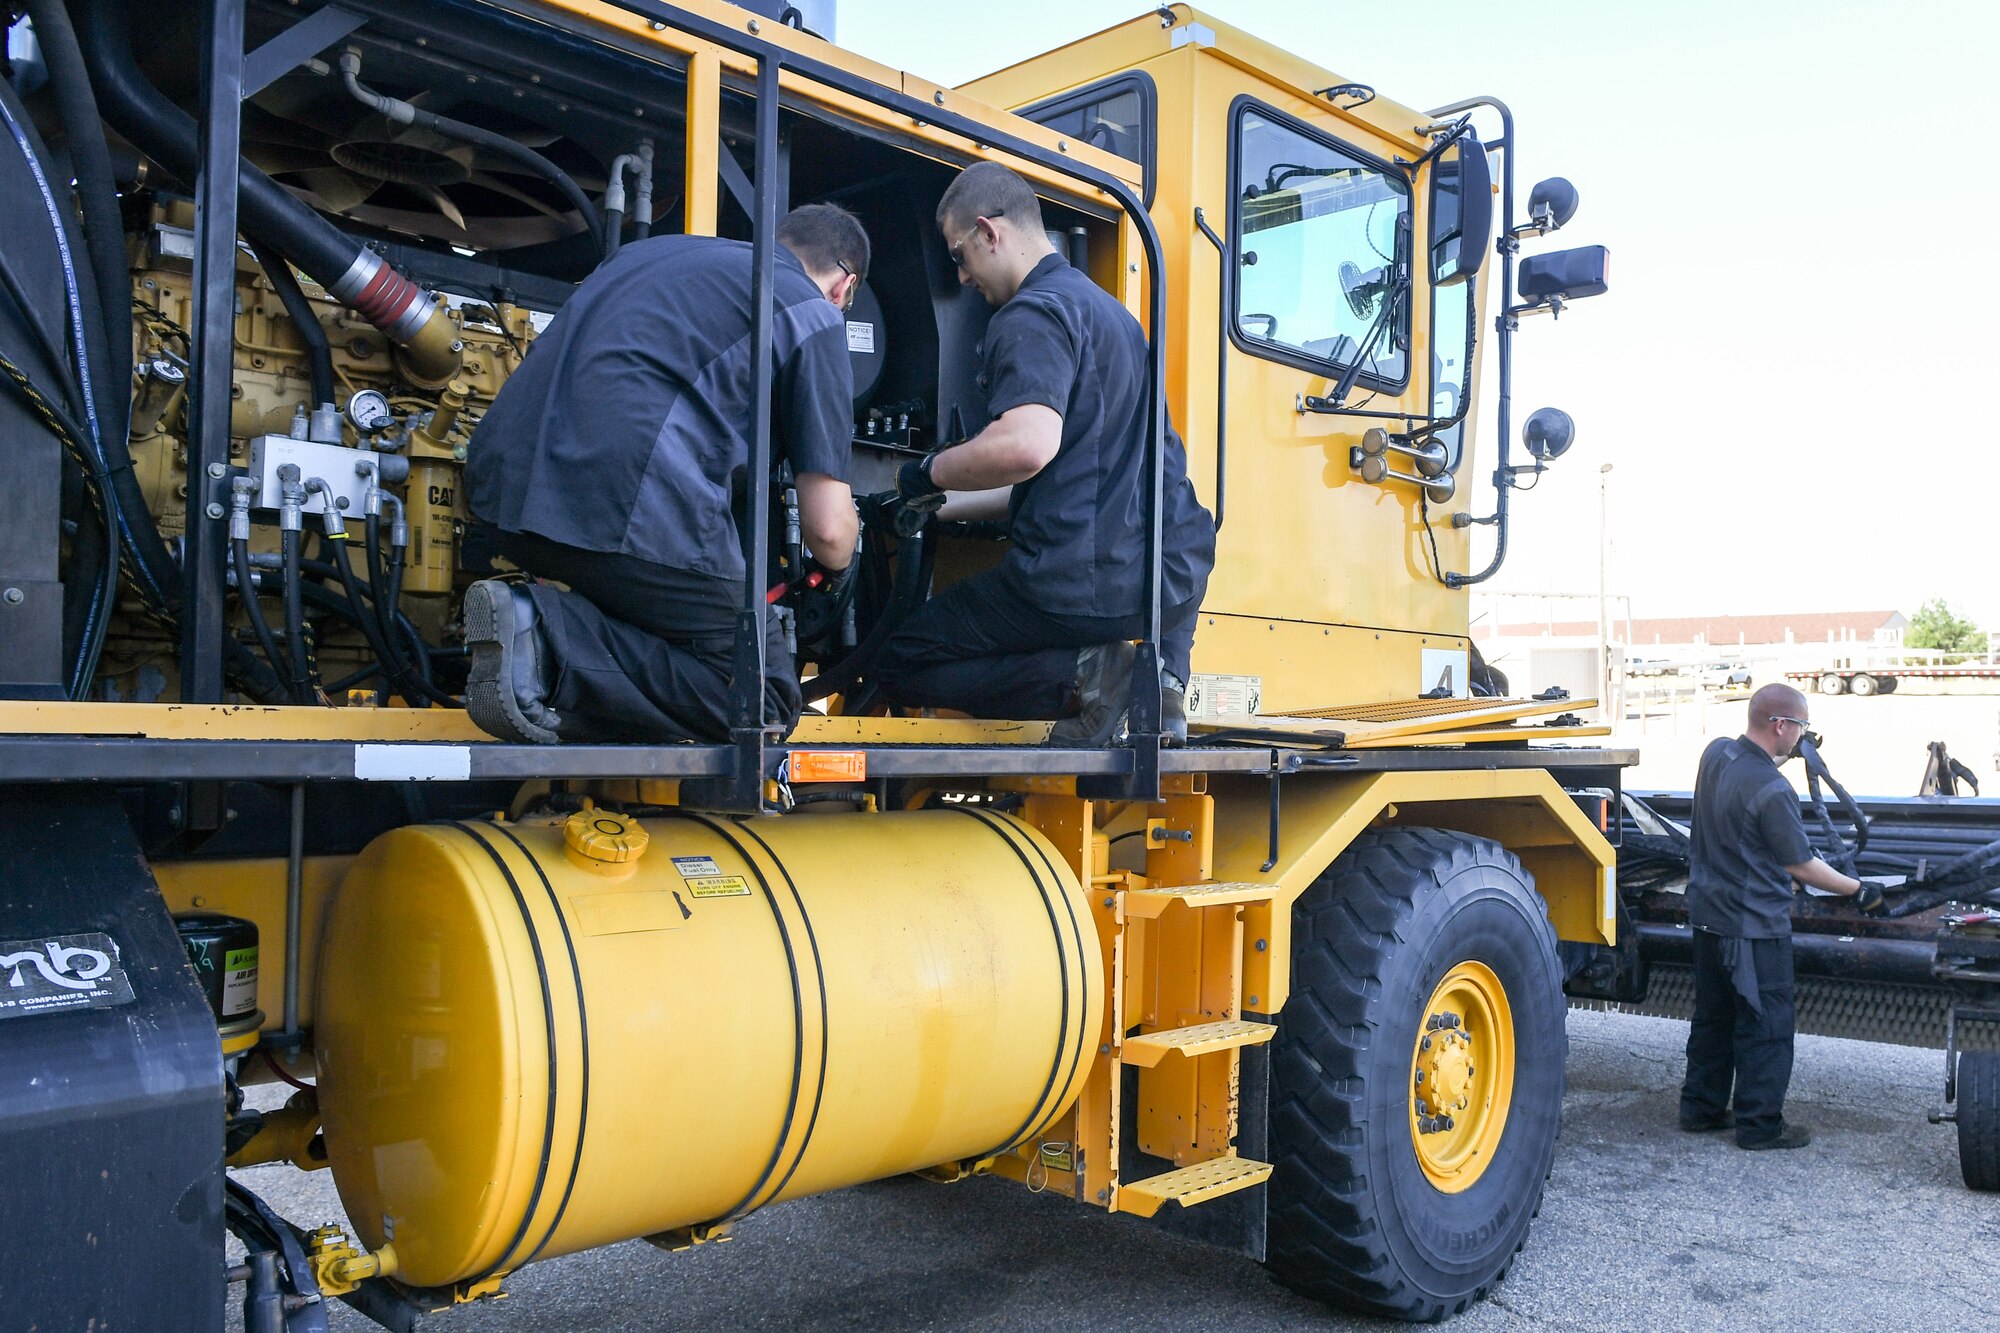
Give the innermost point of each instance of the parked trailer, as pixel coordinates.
(1865, 681)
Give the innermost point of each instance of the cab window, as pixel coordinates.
(1322, 236)
(1115, 115)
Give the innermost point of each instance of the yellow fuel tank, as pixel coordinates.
(538, 1038)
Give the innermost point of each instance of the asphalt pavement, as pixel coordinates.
(1643, 1226)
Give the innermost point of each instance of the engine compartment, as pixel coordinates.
(493, 171)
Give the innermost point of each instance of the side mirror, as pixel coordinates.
(1461, 212)
(1551, 204)
(1564, 275)
(1548, 434)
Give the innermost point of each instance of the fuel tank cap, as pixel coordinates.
(603, 835)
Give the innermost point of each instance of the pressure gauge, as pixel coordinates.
(370, 412)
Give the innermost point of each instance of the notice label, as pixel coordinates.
(860, 336)
(719, 886)
(1210, 697)
(239, 983)
(690, 866)
(58, 972)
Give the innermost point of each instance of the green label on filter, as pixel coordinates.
(237, 959)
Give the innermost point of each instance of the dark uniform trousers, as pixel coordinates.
(627, 667)
(984, 648)
(1732, 1038)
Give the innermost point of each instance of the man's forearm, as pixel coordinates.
(1819, 875)
(1011, 450)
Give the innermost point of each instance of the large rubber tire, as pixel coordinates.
(1888, 683)
(1863, 685)
(1979, 1119)
(1353, 1218)
(1832, 684)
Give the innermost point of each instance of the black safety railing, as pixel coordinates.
(216, 227)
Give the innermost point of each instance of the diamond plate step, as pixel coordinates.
(1191, 1185)
(1200, 1039)
(1147, 904)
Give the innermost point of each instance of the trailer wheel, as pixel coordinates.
(1979, 1119)
(1888, 683)
(1832, 684)
(1417, 1076)
(1863, 685)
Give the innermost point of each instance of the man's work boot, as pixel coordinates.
(1173, 710)
(1103, 685)
(1791, 1136)
(507, 692)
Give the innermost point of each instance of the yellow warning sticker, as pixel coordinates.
(718, 886)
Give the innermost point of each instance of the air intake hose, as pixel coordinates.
(354, 276)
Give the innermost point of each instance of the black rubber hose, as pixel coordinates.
(246, 589)
(170, 137)
(319, 352)
(416, 665)
(103, 224)
(250, 676)
(467, 132)
(295, 616)
(370, 629)
(903, 596)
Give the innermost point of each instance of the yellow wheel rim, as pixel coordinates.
(1462, 1077)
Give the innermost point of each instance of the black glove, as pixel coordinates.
(832, 582)
(914, 485)
(1870, 899)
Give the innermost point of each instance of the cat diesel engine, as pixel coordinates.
(267, 897)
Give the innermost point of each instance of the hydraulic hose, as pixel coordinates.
(351, 275)
(904, 593)
(319, 352)
(407, 113)
(103, 226)
(246, 589)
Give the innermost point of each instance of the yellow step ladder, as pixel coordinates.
(1182, 986)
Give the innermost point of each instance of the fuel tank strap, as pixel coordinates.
(1056, 1090)
(549, 1028)
(583, 1054)
(809, 1044)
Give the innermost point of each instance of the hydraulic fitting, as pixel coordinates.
(291, 498)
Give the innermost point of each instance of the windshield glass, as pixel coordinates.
(1319, 232)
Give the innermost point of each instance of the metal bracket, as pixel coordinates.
(294, 47)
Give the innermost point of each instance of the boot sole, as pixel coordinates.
(490, 626)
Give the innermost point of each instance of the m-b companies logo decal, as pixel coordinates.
(57, 972)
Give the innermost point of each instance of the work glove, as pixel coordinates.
(832, 582)
(1870, 899)
(914, 485)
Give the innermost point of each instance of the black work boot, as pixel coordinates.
(507, 691)
(1173, 710)
(1790, 1136)
(1708, 1124)
(1103, 685)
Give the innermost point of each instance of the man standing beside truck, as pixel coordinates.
(1047, 633)
(1748, 847)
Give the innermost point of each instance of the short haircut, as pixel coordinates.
(989, 190)
(1775, 700)
(826, 237)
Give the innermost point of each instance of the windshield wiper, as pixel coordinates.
(1375, 331)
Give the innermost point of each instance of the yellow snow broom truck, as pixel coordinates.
(1294, 988)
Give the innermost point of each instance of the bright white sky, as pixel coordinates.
(1781, 185)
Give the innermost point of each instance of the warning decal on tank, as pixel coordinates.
(690, 866)
(60, 972)
(719, 886)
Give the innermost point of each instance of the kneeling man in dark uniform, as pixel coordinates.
(1047, 633)
(615, 462)
(1748, 846)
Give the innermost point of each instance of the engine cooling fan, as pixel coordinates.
(343, 159)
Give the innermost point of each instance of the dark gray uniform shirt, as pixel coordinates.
(1078, 525)
(1746, 830)
(627, 429)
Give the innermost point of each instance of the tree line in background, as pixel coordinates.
(1936, 625)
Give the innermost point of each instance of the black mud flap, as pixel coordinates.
(111, 1092)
